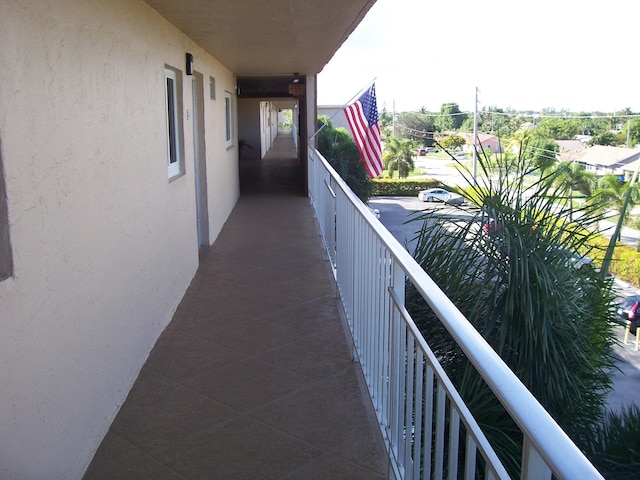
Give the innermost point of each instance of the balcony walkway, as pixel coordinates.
(253, 378)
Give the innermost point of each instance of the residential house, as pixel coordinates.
(486, 142)
(118, 159)
(603, 160)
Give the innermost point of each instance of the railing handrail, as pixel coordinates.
(552, 444)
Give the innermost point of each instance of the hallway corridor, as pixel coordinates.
(253, 378)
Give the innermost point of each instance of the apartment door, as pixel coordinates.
(200, 159)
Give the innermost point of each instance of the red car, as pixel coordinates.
(629, 309)
(490, 227)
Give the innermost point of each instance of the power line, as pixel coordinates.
(426, 134)
(597, 116)
(561, 115)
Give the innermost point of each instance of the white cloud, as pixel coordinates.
(548, 54)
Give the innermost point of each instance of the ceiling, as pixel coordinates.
(267, 37)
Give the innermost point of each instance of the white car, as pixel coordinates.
(440, 195)
(574, 259)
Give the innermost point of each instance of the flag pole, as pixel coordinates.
(357, 95)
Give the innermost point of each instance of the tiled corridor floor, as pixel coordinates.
(253, 378)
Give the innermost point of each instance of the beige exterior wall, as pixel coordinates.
(336, 114)
(104, 246)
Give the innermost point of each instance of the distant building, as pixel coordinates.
(336, 114)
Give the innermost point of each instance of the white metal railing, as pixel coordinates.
(428, 430)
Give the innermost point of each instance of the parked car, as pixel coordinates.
(461, 156)
(628, 309)
(579, 261)
(490, 226)
(422, 151)
(440, 195)
(573, 259)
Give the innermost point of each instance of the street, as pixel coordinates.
(442, 169)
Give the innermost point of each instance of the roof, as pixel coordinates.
(612, 157)
(483, 138)
(570, 145)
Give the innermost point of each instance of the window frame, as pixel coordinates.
(228, 116)
(173, 122)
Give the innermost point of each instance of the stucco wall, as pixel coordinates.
(336, 114)
(103, 244)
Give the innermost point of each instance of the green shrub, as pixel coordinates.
(625, 264)
(401, 188)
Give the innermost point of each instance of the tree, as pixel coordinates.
(544, 153)
(536, 151)
(339, 149)
(451, 118)
(549, 322)
(604, 138)
(612, 194)
(452, 142)
(569, 177)
(416, 126)
(399, 156)
(592, 124)
(494, 120)
(634, 131)
(386, 118)
(558, 128)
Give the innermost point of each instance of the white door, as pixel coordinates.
(200, 160)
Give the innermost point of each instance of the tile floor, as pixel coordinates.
(253, 378)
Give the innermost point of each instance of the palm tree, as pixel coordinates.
(570, 176)
(540, 152)
(548, 321)
(399, 156)
(612, 194)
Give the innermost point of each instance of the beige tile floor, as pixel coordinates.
(253, 378)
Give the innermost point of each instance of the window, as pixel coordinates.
(6, 258)
(173, 89)
(228, 120)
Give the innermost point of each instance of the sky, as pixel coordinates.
(549, 54)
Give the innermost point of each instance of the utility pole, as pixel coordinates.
(475, 140)
(394, 118)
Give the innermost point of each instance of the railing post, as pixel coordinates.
(533, 466)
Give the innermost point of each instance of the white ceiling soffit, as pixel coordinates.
(263, 37)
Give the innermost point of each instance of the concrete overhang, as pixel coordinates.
(266, 37)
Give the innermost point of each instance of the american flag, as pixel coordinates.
(362, 116)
